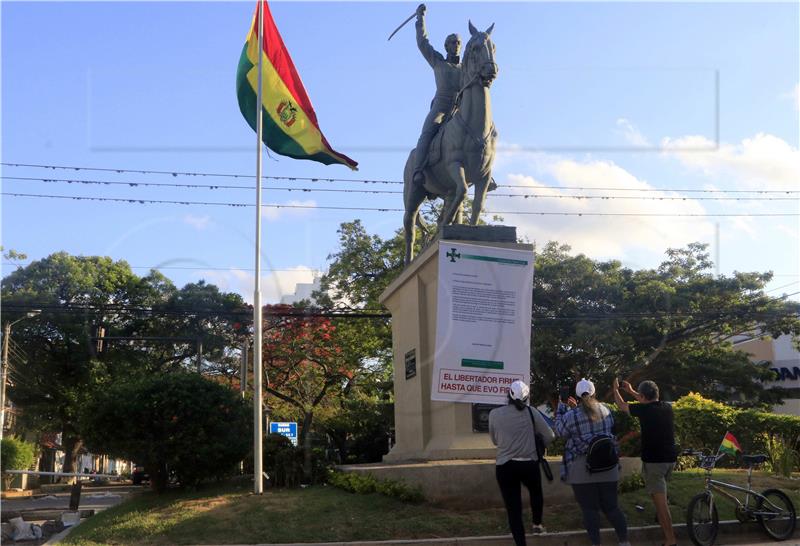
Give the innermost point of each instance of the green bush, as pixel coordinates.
(15, 455)
(283, 462)
(630, 444)
(177, 424)
(701, 424)
(783, 456)
(365, 484)
(631, 483)
(685, 462)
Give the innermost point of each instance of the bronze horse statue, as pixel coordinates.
(465, 142)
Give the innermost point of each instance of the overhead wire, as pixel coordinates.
(177, 173)
(390, 209)
(394, 192)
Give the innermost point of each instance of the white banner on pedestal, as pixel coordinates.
(483, 322)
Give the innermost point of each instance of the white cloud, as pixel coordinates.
(786, 230)
(631, 134)
(200, 223)
(604, 236)
(763, 161)
(274, 284)
(273, 214)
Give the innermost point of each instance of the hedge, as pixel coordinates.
(701, 424)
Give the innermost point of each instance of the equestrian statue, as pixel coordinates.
(456, 147)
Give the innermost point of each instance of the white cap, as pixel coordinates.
(519, 391)
(584, 386)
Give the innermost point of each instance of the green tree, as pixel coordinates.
(674, 324)
(15, 455)
(179, 423)
(62, 366)
(308, 362)
(360, 422)
(200, 311)
(77, 295)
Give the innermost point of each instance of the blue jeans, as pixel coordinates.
(594, 498)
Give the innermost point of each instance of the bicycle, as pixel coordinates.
(773, 509)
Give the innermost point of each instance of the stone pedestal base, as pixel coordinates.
(424, 429)
(471, 483)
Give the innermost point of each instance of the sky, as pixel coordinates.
(692, 105)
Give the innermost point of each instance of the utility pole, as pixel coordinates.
(4, 379)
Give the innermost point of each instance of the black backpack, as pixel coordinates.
(601, 454)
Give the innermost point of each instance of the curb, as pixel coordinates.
(730, 532)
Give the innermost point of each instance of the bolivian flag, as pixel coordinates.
(730, 445)
(290, 124)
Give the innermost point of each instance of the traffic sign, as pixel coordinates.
(285, 429)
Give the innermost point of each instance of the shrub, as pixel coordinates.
(282, 461)
(783, 456)
(15, 455)
(630, 445)
(685, 462)
(178, 424)
(631, 483)
(365, 484)
(702, 423)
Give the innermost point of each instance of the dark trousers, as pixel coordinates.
(509, 476)
(594, 498)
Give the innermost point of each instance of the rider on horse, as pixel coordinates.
(447, 72)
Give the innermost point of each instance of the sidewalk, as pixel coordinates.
(730, 533)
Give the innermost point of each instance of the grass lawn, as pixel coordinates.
(230, 514)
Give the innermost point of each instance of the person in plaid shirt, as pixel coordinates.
(594, 492)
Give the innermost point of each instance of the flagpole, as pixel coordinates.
(258, 433)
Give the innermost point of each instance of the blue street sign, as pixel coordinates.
(285, 429)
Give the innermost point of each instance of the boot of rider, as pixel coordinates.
(421, 157)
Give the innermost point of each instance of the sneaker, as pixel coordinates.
(539, 529)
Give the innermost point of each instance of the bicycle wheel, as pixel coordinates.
(702, 521)
(779, 526)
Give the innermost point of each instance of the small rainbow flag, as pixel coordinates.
(730, 445)
(290, 123)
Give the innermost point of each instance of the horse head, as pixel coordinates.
(478, 64)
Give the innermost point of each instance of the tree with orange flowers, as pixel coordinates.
(306, 361)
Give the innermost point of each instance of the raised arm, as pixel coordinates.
(621, 403)
(627, 387)
(425, 47)
(562, 423)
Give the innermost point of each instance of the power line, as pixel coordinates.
(381, 313)
(371, 181)
(387, 192)
(389, 209)
(194, 268)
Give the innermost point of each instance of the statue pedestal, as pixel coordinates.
(426, 429)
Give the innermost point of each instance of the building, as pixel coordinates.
(784, 360)
(303, 291)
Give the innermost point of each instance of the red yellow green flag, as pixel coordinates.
(290, 124)
(730, 444)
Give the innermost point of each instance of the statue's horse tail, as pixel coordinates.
(412, 199)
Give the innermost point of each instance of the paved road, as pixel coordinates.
(97, 498)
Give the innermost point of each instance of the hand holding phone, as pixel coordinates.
(563, 393)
